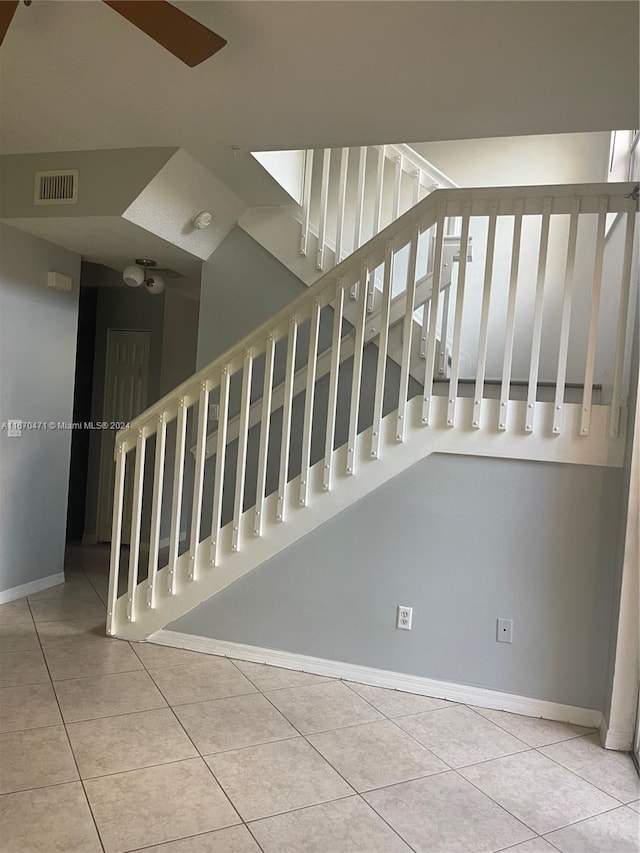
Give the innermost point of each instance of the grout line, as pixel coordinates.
(324, 758)
(73, 755)
(217, 781)
(582, 778)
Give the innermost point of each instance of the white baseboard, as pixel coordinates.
(30, 588)
(615, 738)
(466, 694)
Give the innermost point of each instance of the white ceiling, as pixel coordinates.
(76, 75)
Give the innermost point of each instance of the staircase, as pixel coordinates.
(517, 348)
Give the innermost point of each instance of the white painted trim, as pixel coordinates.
(622, 722)
(615, 738)
(466, 694)
(7, 595)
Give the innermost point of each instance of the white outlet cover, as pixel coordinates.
(404, 617)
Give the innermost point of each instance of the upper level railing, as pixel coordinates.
(350, 194)
(543, 293)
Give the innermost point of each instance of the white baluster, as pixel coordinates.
(565, 322)
(136, 520)
(356, 379)
(116, 538)
(587, 392)
(198, 480)
(407, 331)
(156, 508)
(314, 330)
(324, 200)
(243, 440)
(383, 342)
(221, 453)
(362, 163)
(263, 452)
(377, 211)
(484, 315)
(397, 186)
(286, 418)
(621, 332)
(433, 316)
(511, 315)
(457, 322)
(306, 200)
(332, 403)
(536, 337)
(342, 203)
(176, 501)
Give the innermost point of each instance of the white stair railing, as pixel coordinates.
(350, 194)
(224, 503)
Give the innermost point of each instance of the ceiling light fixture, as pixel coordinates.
(139, 273)
(202, 220)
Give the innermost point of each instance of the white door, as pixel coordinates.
(125, 396)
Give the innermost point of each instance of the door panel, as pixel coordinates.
(125, 396)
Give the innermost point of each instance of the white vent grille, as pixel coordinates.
(59, 187)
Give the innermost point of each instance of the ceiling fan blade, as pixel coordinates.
(181, 35)
(7, 8)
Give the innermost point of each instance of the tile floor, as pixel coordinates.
(113, 746)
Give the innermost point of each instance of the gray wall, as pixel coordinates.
(179, 340)
(462, 540)
(242, 286)
(37, 356)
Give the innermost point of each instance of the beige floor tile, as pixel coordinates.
(276, 777)
(35, 758)
(612, 772)
(128, 742)
(53, 610)
(635, 805)
(459, 736)
(395, 703)
(375, 754)
(75, 586)
(274, 677)
(71, 632)
(154, 656)
(232, 723)
(107, 695)
(235, 839)
(19, 638)
(536, 845)
(157, 804)
(97, 658)
(617, 831)
(28, 707)
(15, 613)
(48, 819)
(537, 791)
(444, 813)
(320, 707)
(534, 731)
(342, 826)
(213, 678)
(18, 668)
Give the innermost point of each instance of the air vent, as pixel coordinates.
(59, 187)
(169, 273)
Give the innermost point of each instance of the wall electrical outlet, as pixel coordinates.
(504, 630)
(405, 617)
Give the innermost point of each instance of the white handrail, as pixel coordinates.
(399, 240)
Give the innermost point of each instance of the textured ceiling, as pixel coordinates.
(75, 76)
